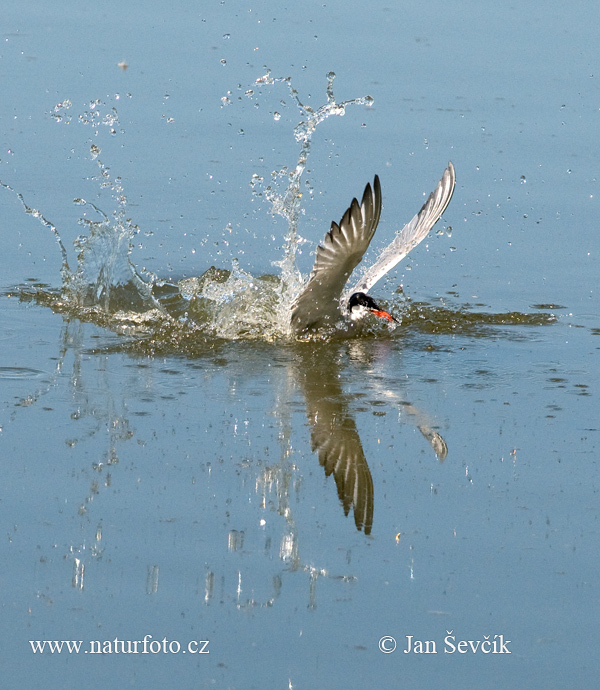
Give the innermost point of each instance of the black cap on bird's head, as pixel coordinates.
(361, 304)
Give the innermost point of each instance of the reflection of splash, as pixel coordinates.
(101, 420)
(257, 567)
(254, 571)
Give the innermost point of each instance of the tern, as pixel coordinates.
(324, 299)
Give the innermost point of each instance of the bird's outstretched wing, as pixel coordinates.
(343, 247)
(411, 234)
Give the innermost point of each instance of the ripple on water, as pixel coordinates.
(23, 373)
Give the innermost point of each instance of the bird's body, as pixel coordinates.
(324, 300)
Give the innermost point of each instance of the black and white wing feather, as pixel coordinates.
(344, 245)
(411, 234)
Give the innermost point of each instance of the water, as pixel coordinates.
(177, 466)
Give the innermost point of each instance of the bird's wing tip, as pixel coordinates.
(452, 171)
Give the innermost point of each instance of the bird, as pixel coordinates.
(323, 301)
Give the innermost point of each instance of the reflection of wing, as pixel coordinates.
(333, 432)
(341, 251)
(340, 452)
(412, 233)
(408, 413)
(436, 440)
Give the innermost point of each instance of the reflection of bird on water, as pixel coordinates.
(323, 299)
(388, 390)
(333, 433)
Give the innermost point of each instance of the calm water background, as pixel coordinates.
(179, 496)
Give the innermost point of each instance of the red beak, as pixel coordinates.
(384, 315)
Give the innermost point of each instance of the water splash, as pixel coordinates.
(226, 304)
(107, 288)
(288, 204)
(106, 277)
(238, 305)
(65, 270)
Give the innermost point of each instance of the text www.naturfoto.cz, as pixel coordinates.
(117, 646)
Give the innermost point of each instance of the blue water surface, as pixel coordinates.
(178, 494)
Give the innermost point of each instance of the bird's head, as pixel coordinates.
(360, 304)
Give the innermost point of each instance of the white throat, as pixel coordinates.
(358, 312)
